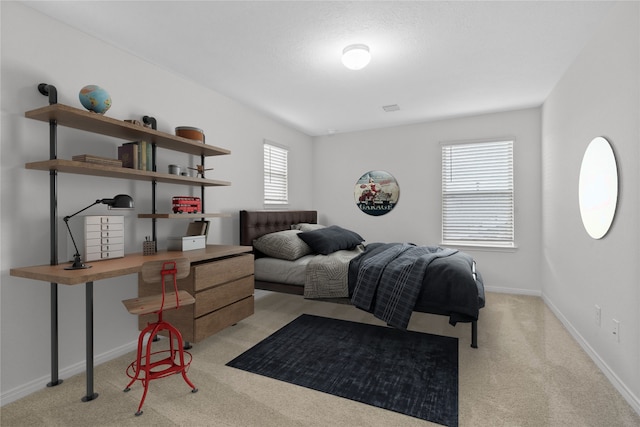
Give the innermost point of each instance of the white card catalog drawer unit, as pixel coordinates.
(103, 237)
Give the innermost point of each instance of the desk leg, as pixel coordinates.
(89, 342)
(54, 336)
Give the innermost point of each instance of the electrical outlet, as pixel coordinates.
(616, 330)
(598, 315)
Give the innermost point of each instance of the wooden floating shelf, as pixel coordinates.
(85, 168)
(96, 123)
(184, 215)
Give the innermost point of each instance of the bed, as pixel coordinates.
(449, 285)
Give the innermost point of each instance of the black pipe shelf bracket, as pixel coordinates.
(151, 121)
(51, 92)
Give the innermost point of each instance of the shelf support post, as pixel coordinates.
(91, 394)
(202, 186)
(151, 121)
(51, 92)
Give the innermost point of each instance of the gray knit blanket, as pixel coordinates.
(327, 276)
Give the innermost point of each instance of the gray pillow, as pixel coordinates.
(331, 239)
(283, 245)
(306, 226)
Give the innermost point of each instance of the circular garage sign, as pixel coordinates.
(376, 193)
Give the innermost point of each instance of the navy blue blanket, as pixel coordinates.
(394, 279)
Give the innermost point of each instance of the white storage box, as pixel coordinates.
(98, 237)
(187, 243)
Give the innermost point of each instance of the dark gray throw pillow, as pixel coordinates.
(331, 239)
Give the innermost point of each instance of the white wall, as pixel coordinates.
(412, 155)
(598, 96)
(37, 49)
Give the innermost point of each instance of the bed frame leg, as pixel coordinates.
(474, 334)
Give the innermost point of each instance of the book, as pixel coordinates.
(198, 228)
(142, 163)
(90, 158)
(149, 156)
(128, 154)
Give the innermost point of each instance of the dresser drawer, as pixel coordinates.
(218, 320)
(102, 235)
(219, 296)
(221, 271)
(115, 247)
(93, 228)
(104, 219)
(116, 240)
(93, 248)
(118, 253)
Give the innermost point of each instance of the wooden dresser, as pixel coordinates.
(223, 288)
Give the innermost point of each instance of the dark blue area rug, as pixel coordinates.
(408, 372)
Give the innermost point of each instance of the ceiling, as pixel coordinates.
(434, 59)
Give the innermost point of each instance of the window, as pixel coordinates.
(275, 174)
(477, 194)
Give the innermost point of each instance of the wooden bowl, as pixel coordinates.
(190, 133)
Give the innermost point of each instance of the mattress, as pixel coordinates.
(282, 271)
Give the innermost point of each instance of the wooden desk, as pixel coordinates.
(130, 264)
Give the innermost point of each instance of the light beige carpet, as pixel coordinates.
(527, 371)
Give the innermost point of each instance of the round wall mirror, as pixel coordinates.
(598, 187)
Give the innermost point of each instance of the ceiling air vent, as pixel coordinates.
(390, 108)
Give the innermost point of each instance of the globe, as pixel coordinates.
(94, 98)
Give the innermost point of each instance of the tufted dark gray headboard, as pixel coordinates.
(254, 224)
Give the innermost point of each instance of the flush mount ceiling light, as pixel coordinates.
(356, 56)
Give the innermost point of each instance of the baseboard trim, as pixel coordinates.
(619, 385)
(499, 290)
(69, 371)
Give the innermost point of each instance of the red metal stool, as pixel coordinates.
(150, 365)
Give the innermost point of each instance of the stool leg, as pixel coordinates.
(147, 366)
(136, 376)
(144, 396)
(180, 346)
(150, 332)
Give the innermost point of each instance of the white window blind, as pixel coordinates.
(477, 194)
(275, 174)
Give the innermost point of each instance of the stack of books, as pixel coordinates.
(90, 158)
(136, 155)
